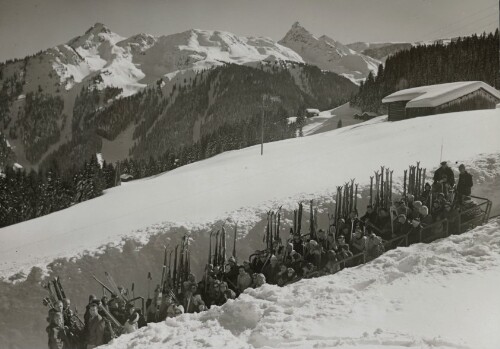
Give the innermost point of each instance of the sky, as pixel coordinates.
(28, 26)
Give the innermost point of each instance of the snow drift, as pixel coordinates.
(438, 295)
(238, 184)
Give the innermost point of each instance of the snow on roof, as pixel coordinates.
(434, 95)
(312, 110)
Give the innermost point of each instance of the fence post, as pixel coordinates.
(460, 223)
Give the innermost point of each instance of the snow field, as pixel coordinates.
(237, 184)
(438, 295)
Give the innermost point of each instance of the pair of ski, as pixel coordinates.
(220, 247)
(273, 228)
(55, 289)
(416, 180)
(56, 293)
(113, 289)
(346, 200)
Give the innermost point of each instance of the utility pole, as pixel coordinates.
(262, 127)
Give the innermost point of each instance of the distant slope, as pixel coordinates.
(379, 50)
(382, 53)
(238, 183)
(56, 103)
(329, 54)
(172, 119)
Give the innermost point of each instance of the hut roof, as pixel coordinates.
(434, 95)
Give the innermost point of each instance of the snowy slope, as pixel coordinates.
(439, 295)
(131, 63)
(97, 52)
(245, 182)
(329, 54)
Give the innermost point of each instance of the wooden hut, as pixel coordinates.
(441, 98)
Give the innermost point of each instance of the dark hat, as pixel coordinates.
(95, 303)
(443, 162)
(416, 219)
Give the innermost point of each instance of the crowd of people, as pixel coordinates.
(300, 257)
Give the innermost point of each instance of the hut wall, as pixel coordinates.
(397, 111)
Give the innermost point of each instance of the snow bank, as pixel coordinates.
(439, 295)
(239, 183)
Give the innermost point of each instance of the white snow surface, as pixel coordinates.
(434, 95)
(129, 63)
(239, 184)
(442, 295)
(219, 46)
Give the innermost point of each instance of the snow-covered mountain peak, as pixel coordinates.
(329, 54)
(139, 42)
(94, 36)
(298, 33)
(98, 28)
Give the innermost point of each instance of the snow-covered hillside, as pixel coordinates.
(329, 54)
(131, 63)
(244, 182)
(442, 295)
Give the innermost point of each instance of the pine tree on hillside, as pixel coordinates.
(466, 59)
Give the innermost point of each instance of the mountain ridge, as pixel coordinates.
(120, 67)
(329, 54)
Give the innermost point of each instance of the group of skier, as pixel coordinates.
(301, 256)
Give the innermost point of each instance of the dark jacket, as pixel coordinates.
(401, 229)
(450, 176)
(414, 234)
(95, 331)
(464, 183)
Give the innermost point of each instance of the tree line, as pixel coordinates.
(469, 58)
(27, 195)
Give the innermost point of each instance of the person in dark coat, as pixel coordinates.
(384, 224)
(464, 186)
(402, 226)
(415, 231)
(96, 326)
(298, 244)
(445, 170)
(369, 217)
